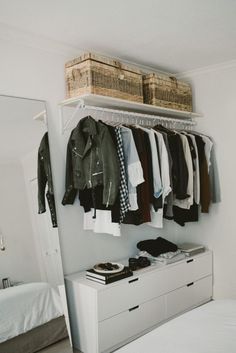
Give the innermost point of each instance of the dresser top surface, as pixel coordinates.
(80, 277)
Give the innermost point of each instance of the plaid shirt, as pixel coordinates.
(124, 194)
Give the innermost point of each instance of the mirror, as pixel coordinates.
(33, 310)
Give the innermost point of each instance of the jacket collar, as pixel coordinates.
(84, 134)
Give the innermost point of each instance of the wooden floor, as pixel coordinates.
(60, 347)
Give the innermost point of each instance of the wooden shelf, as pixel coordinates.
(124, 105)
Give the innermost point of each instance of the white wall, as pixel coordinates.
(34, 68)
(19, 260)
(40, 74)
(215, 98)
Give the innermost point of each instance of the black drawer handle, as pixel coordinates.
(133, 280)
(190, 284)
(134, 308)
(189, 261)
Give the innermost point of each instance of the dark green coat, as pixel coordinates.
(91, 160)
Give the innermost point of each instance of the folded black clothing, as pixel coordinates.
(157, 246)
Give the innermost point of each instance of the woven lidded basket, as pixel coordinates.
(95, 74)
(164, 91)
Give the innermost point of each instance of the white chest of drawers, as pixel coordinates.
(104, 317)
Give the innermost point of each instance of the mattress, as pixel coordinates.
(210, 328)
(27, 306)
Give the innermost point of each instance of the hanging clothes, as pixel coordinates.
(187, 202)
(133, 174)
(196, 175)
(157, 215)
(205, 188)
(168, 202)
(164, 165)
(44, 179)
(133, 166)
(208, 146)
(187, 210)
(102, 223)
(142, 215)
(91, 161)
(181, 216)
(92, 170)
(179, 166)
(214, 177)
(123, 188)
(157, 184)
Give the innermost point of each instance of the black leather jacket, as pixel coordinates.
(91, 161)
(45, 178)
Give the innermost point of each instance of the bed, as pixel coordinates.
(31, 318)
(210, 328)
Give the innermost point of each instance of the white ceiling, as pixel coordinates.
(19, 133)
(173, 35)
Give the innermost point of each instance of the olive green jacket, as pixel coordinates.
(91, 160)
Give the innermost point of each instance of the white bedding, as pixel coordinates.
(210, 328)
(27, 306)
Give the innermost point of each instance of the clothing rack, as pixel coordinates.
(123, 116)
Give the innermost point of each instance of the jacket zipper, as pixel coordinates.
(77, 154)
(109, 194)
(90, 181)
(97, 173)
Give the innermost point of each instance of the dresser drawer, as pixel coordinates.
(131, 292)
(199, 267)
(100, 316)
(188, 296)
(132, 322)
(139, 289)
(187, 271)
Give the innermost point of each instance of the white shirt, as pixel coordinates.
(196, 173)
(102, 223)
(165, 168)
(133, 166)
(207, 148)
(156, 218)
(186, 203)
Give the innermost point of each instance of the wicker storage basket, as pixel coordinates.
(91, 73)
(168, 92)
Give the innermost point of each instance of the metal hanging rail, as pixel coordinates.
(123, 116)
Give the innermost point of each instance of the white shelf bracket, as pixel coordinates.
(64, 126)
(42, 116)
